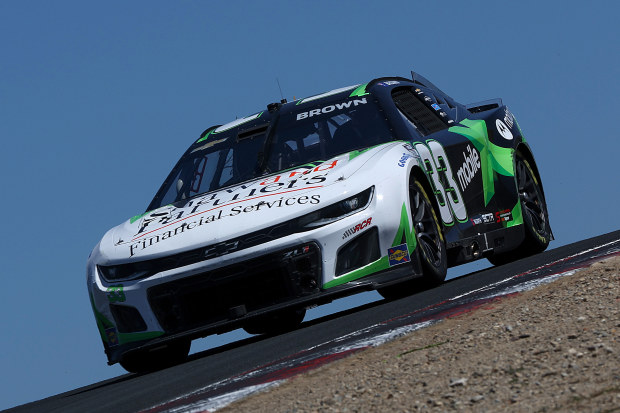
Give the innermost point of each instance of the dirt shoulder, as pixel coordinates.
(554, 348)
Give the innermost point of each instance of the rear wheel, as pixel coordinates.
(431, 246)
(534, 212)
(279, 322)
(156, 359)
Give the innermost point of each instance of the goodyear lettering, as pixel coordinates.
(403, 159)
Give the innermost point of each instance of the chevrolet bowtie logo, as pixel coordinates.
(220, 249)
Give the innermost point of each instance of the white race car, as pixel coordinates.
(379, 186)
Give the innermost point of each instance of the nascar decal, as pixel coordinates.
(356, 228)
(398, 255)
(493, 158)
(331, 108)
(435, 162)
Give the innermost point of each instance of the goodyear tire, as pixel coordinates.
(156, 359)
(534, 212)
(431, 248)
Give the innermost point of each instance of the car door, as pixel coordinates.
(451, 161)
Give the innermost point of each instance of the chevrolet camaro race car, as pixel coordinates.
(375, 186)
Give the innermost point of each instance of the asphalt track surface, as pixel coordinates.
(257, 361)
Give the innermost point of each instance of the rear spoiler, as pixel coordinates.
(421, 80)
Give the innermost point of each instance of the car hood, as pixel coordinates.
(234, 211)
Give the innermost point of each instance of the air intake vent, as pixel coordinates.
(424, 118)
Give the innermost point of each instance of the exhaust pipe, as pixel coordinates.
(475, 250)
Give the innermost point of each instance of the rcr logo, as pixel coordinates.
(331, 108)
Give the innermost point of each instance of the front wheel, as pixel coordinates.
(534, 212)
(431, 246)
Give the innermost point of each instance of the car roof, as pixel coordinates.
(378, 86)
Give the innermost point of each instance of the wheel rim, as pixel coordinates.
(531, 198)
(426, 229)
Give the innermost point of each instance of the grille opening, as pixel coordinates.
(358, 252)
(128, 319)
(255, 284)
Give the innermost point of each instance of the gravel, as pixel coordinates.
(552, 349)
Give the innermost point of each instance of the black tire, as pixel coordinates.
(279, 322)
(157, 359)
(534, 212)
(431, 248)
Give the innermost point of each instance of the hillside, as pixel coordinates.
(554, 348)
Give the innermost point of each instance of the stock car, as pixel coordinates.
(379, 186)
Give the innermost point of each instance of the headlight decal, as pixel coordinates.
(338, 210)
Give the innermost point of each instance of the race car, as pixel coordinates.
(379, 186)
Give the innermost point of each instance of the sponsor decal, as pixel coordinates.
(509, 118)
(427, 99)
(112, 336)
(483, 219)
(115, 294)
(356, 228)
(403, 159)
(469, 168)
(299, 179)
(503, 216)
(331, 108)
(418, 91)
(503, 129)
(200, 219)
(435, 106)
(398, 255)
(389, 83)
(493, 158)
(443, 114)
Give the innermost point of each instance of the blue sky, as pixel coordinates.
(98, 100)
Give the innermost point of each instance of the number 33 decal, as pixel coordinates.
(446, 190)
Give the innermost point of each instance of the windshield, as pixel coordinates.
(293, 138)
